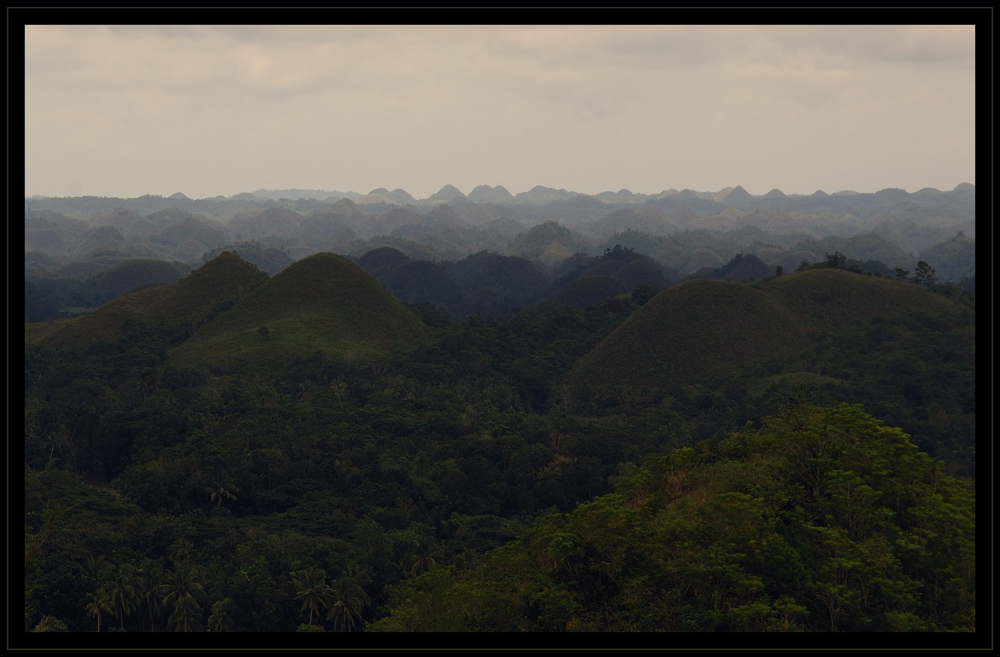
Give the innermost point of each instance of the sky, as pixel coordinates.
(126, 111)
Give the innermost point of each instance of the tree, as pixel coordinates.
(901, 274)
(186, 616)
(221, 620)
(349, 599)
(121, 588)
(836, 260)
(219, 490)
(50, 624)
(179, 592)
(182, 551)
(148, 577)
(99, 602)
(312, 590)
(924, 274)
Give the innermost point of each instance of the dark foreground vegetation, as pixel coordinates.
(199, 456)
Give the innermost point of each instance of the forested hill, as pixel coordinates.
(244, 452)
(822, 520)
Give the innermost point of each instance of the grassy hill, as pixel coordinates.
(696, 327)
(322, 303)
(829, 300)
(686, 330)
(193, 300)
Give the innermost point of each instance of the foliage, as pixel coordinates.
(821, 520)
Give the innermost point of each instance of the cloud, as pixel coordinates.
(348, 106)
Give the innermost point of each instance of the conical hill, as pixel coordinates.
(323, 303)
(834, 300)
(193, 300)
(686, 330)
(691, 330)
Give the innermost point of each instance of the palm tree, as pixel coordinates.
(312, 589)
(182, 550)
(423, 559)
(180, 586)
(121, 588)
(148, 577)
(97, 569)
(221, 620)
(100, 602)
(50, 624)
(186, 616)
(219, 490)
(216, 581)
(349, 599)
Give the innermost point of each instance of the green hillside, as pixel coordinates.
(833, 299)
(691, 329)
(322, 303)
(191, 301)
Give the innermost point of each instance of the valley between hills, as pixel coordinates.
(542, 412)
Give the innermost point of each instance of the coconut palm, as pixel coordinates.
(181, 583)
(220, 490)
(121, 587)
(148, 577)
(349, 599)
(221, 619)
(97, 569)
(186, 616)
(182, 550)
(50, 624)
(216, 581)
(312, 589)
(100, 602)
(422, 560)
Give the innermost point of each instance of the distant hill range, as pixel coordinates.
(730, 196)
(686, 233)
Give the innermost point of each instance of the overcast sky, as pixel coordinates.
(127, 111)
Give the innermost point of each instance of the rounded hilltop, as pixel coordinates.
(324, 303)
(188, 303)
(698, 328)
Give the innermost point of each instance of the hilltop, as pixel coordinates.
(693, 328)
(322, 303)
(191, 301)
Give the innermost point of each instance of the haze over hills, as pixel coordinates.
(499, 194)
(68, 239)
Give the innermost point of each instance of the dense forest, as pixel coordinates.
(309, 450)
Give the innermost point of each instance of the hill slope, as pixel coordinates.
(191, 301)
(693, 328)
(322, 303)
